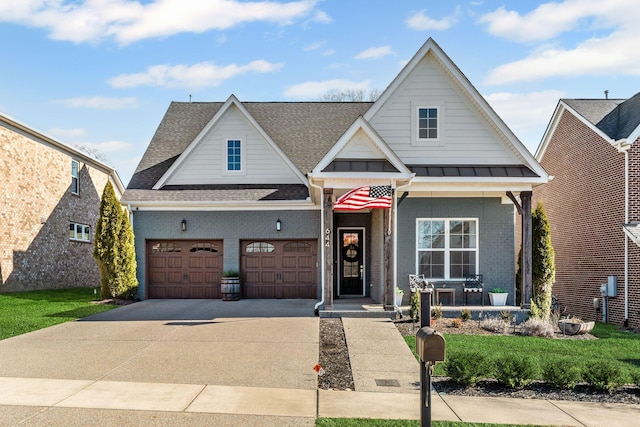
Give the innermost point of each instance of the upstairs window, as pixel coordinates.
(75, 184)
(79, 232)
(234, 155)
(427, 123)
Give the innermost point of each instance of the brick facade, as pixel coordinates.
(585, 206)
(36, 210)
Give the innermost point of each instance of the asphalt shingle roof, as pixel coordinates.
(617, 118)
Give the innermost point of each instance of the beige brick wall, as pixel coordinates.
(585, 206)
(36, 208)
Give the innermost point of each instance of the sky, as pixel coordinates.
(101, 73)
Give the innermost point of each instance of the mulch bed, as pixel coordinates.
(334, 358)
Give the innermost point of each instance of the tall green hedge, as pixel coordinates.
(543, 264)
(114, 250)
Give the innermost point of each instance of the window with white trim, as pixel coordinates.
(428, 123)
(75, 183)
(234, 155)
(447, 248)
(79, 232)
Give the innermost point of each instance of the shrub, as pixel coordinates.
(465, 314)
(604, 376)
(515, 371)
(466, 368)
(538, 328)
(456, 323)
(506, 316)
(414, 306)
(494, 324)
(635, 378)
(562, 373)
(436, 311)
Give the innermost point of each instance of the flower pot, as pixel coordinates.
(571, 327)
(498, 299)
(230, 288)
(399, 299)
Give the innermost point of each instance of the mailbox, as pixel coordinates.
(430, 345)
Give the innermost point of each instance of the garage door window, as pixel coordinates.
(297, 247)
(260, 247)
(203, 247)
(166, 247)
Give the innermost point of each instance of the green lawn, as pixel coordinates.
(613, 344)
(361, 422)
(24, 312)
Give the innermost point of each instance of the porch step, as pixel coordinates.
(377, 314)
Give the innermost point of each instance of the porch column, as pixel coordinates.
(327, 247)
(527, 249)
(389, 282)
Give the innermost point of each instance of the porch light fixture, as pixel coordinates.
(278, 225)
(183, 225)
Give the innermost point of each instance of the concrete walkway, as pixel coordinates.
(202, 363)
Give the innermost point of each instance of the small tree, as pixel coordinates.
(543, 267)
(113, 248)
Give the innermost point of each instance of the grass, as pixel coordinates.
(24, 312)
(620, 347)
(364, 422)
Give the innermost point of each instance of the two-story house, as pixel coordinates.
(50, 205)
(591, 149)
(253, 186)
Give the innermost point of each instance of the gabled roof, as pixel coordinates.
(615, 120)
(304, 131)
(70, 151)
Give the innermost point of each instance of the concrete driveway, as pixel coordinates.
(253, 343)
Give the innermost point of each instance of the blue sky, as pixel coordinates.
(101, 73)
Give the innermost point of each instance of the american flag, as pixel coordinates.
(375, 196)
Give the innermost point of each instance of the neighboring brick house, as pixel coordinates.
(251, 186)
(592, 203)
(49, 209)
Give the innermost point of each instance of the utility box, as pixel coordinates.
(612, 286)
(430, 345)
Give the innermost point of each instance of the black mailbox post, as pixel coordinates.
(431, 348)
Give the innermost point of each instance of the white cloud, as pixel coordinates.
(67, 133)
(551, 19)
(314, 46)
(606, 54)
(421, 22)
(130, 21)
(109, 147)
(309, 90)
(101, 103)
(328, 52)
(527, 114)
(375, 53)
(204, 74)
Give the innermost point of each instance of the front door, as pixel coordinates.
(351, 265)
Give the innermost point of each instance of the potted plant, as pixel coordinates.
(574, 326)
(498, 296)
(399, 296)
(230, 285)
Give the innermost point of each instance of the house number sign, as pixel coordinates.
(327, 238)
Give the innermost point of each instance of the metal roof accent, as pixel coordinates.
(501, 171)
(356, 165)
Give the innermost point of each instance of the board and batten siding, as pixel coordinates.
(465, 135)
(207, 163)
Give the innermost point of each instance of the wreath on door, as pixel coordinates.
(351, 253)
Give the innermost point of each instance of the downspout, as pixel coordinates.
(623, 147)
(316, 308)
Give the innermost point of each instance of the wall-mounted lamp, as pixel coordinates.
(183, 225)
(278, 225)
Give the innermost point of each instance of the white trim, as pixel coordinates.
(447, 249)
(416, 141)
(364, 258)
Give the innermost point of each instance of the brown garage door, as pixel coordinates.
(279, 268)
(184, 268)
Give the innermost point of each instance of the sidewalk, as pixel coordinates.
(211, 370)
